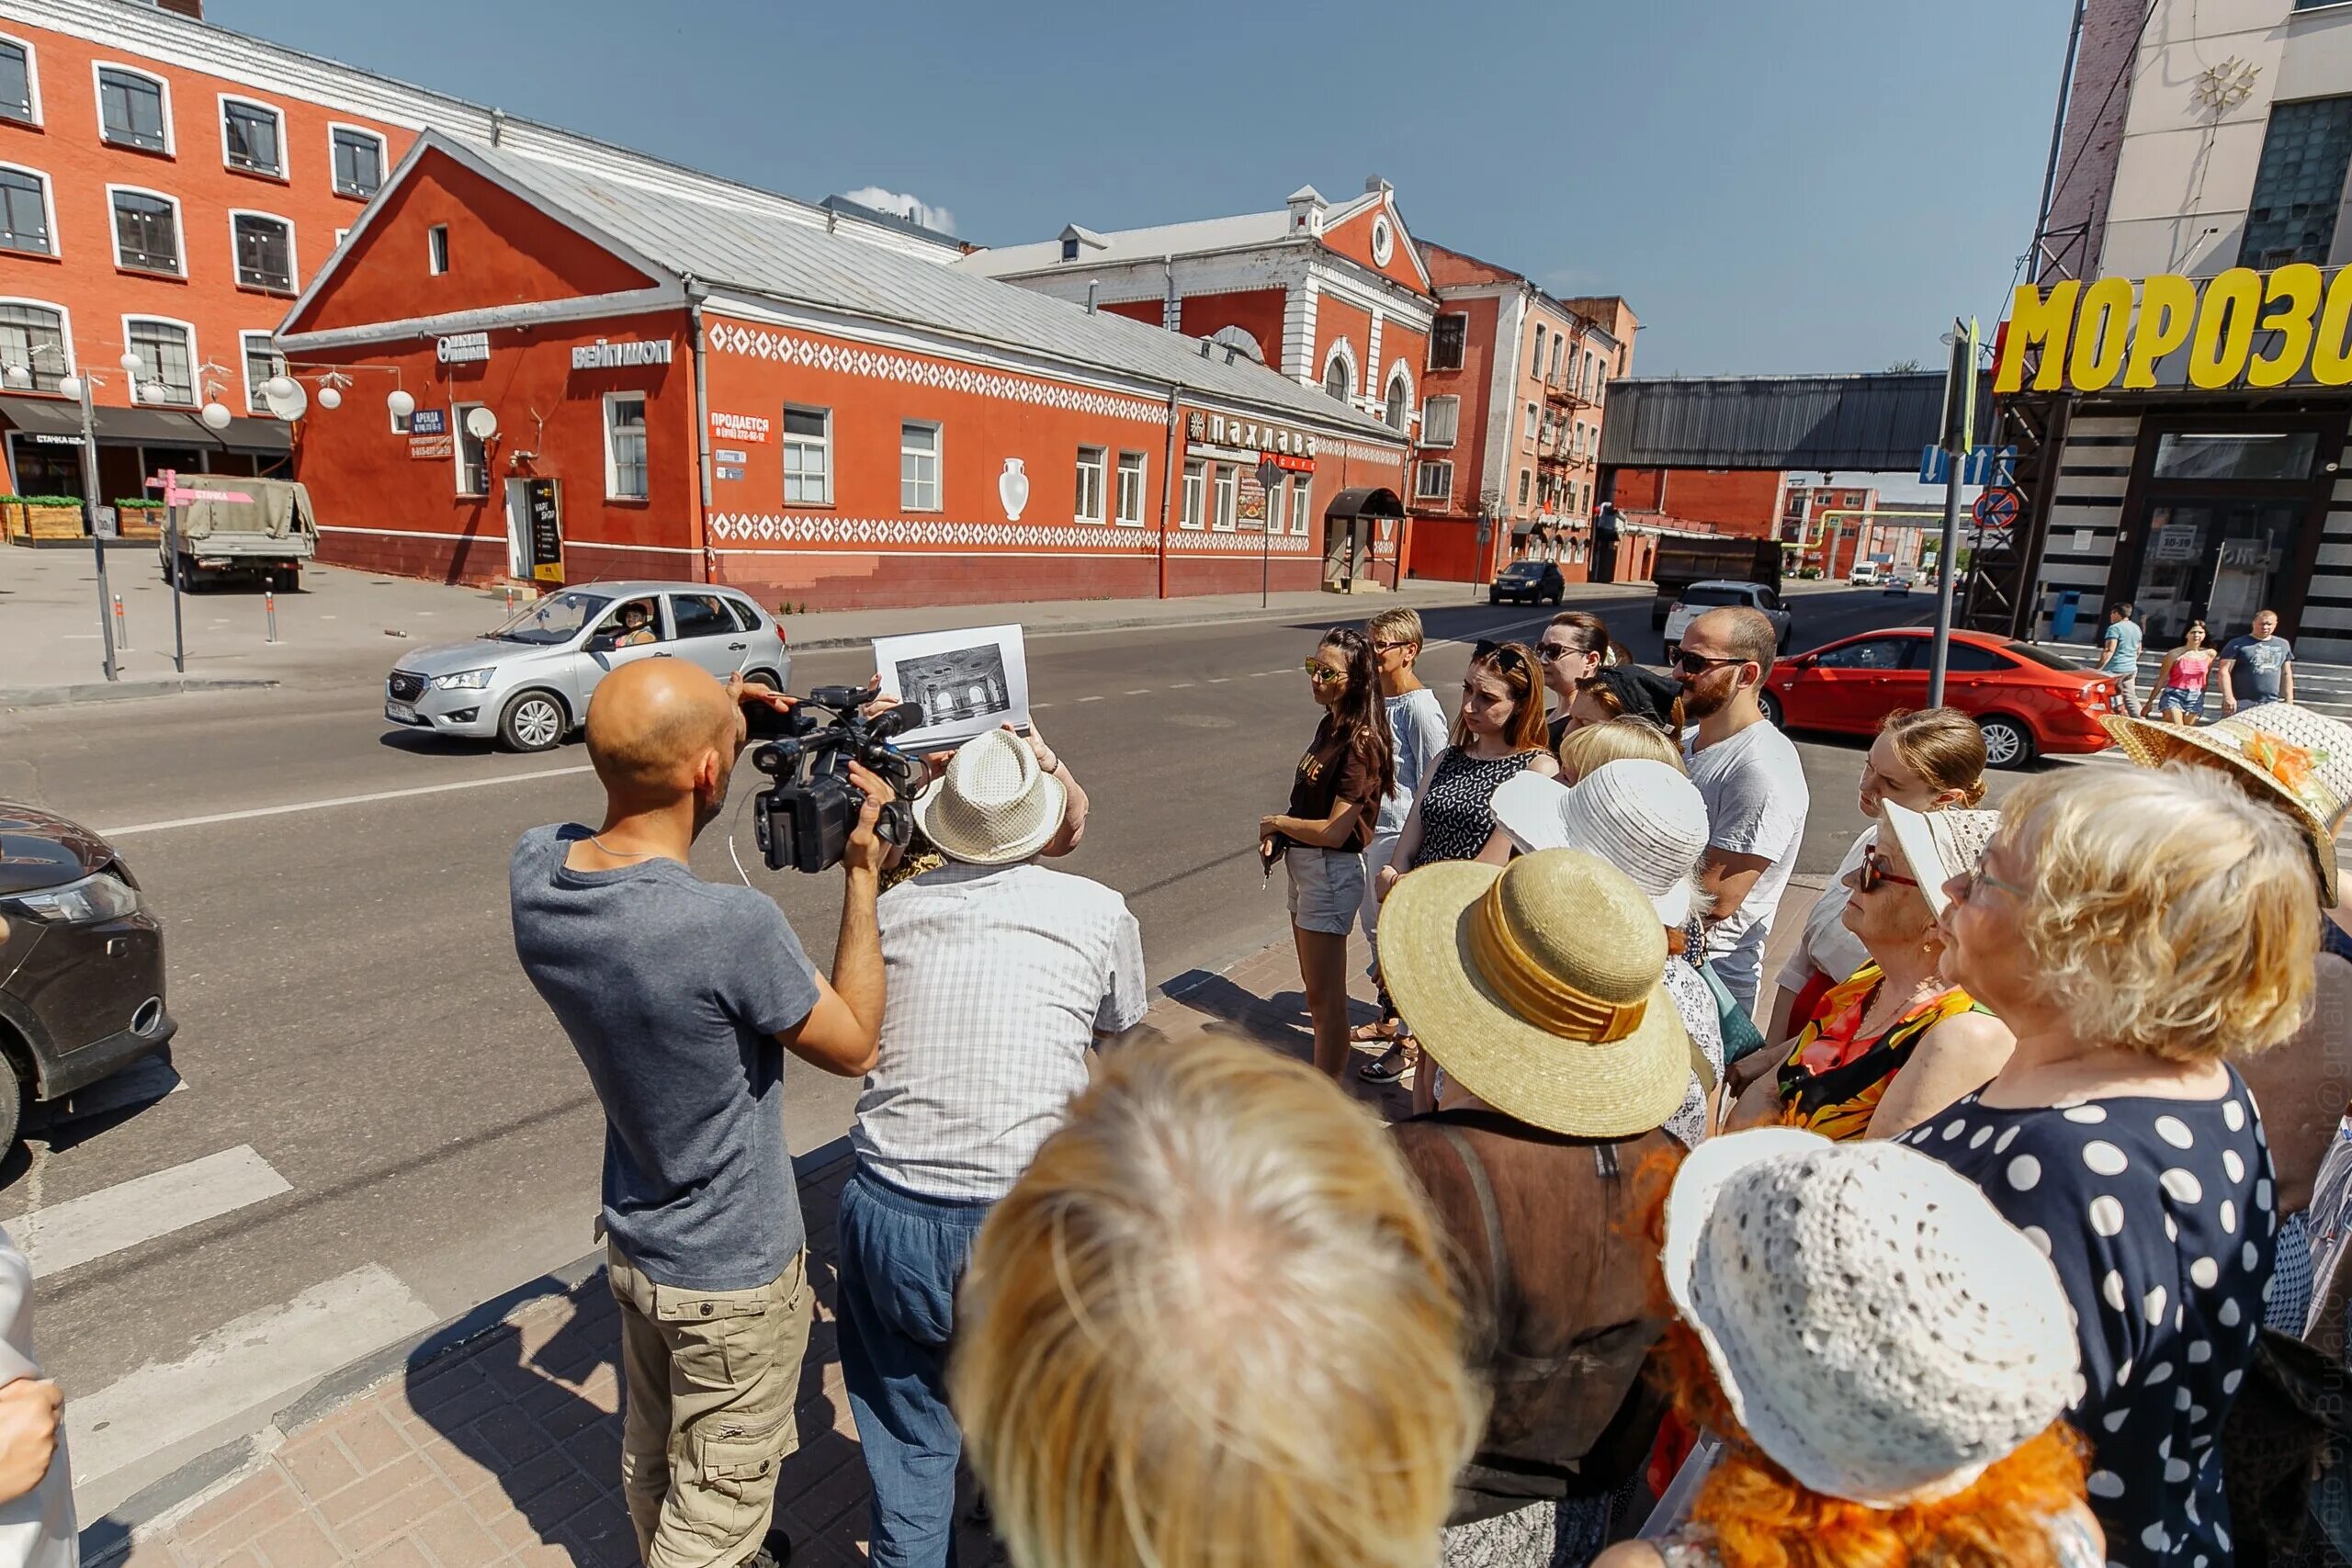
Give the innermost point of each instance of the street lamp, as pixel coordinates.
(77, 385)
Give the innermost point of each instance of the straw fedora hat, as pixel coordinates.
(1940, 845)
(2289, 754)
(1644, 817)
(1540, 988)
(993, 806)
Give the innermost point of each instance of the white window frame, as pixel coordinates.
(1540, 331)
(1093, 474)
(1127, 509)
(383, 158)
(254, 405)
(822, 444)
(612, 457)
(1226, 505)
(457, 439)
(938, 455)
(65, 330)
(1398, 378)
(179, 230)
(436, 250)
(293, 258)
(1344, 352)
(1302, 511)
(1526, 483)
(49, 209)
(195, 360)
(1191, 513)
(1429, 422)
(32, 80)
(1421, 492)
(98, 107)
(284, 173)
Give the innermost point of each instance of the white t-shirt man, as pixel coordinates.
(1756, 800)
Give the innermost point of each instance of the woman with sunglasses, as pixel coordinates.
(1573, 648)
(1499, 732)
(1334, 800)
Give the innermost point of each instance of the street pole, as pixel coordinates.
(1944, 584)
(1959, 436)
(97, 542)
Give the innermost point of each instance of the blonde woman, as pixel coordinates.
(1621, 739)
(1214, 1325)
(2132, 929)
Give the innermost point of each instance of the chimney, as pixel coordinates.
(1094, 287)
(1374, 186)
(192, 9)
(1307, 208)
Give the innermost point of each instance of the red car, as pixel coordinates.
(2026, 701)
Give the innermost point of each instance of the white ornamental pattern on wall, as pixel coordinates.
(875, 364)
(1373, 454)
(924, 532)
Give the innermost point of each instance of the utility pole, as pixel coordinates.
(1959, 436)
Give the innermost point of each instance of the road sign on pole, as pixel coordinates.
(1997, 508)
(1269, 474)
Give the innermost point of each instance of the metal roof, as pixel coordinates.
(1827, 424)
(724, 247)
(1238, 233)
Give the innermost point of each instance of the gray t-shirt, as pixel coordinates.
(673, 990)
(1757, 802)
(1417, 729)
(2259, 667)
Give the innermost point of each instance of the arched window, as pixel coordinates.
(1399, 400)
(1336, 377)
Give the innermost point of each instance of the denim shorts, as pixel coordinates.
(2181, 699)
(1326, 888)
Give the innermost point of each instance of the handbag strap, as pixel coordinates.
(1489, 1216)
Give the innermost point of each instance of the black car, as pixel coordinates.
(81, 964)
(1534, 582)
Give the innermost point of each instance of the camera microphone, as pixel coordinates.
(891, 723)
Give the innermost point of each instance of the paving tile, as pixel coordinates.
(550, 1555)
(509, 1529)
(456, 1399)
(234, 1517)
(466, 1471)
(317, 1464)
(508, 1433)
(365, 1532)
(377, 1489)
(522, 1483)
(372, 1442)
(597, 1449)
(153, 1554)
(453, 1538)
(298, 1542)
(401, 1553)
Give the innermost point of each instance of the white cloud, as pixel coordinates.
(905, 205)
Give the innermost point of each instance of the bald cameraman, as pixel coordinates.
(682, 996)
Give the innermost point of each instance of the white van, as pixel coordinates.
(1864, 575)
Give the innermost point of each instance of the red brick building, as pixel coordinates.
(1745, 502)
(614, 376)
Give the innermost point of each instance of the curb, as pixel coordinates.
(120, 691)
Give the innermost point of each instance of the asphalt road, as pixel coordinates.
(381, 1121)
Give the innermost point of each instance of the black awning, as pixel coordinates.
(53, 416)
(245, 435)
(1369, 501)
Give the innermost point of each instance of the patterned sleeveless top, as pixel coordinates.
(2070, 1542)
(1832, 1082)
(1457, 803)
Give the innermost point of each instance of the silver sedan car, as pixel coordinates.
(528, 683)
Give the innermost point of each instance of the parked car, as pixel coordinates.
(1532, 581)
(2027, 701)
(1700, 597)
(81, 964)
(1683, 561)
(528, 683)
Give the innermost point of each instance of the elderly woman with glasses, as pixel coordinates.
(2133, 929)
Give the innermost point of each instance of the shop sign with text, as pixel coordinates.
(603, 355)
(1223, 430)
(2291, 326)
(462, 348)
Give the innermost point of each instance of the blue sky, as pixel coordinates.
(1800, 184)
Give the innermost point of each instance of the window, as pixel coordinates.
(1538, 361)
(1275, 508)
(1434, 481)
(1534, 424)
(34, 337)
(132, 110)
(1870, 653)
(746, 618)
(624, 448)
(1335, 379)
(2299, 184)
(1447, 337)
(436, 249)
(701, 614)
(146, 231)
(18, 100)
(473, 457)
(1130, 510)
(1225, 499)
(1441, 421)
(2249, 455)
(1301, 488)
(262, 362)
(252, 137)
(402, 424)
(1069, 250)
(265, 250)
(919, 467)
(358, 161)
(1193, 471)
(167, 352)
(808, 457)
(1968, 659)
(1525, 479)
(1559, 344)
(1400, 403)
(1093, 462)
(24, 213)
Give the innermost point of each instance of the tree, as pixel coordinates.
(1904, 368)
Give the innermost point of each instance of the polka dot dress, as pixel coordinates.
(1457, 804)
(2159, 1215)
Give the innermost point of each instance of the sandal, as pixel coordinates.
(1379, 1034)
(1391, 1065)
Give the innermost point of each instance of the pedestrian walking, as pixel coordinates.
(1573, 648)
(2132, 929)
(1625, 739)
(1925, 759)
(1498, 732)
(1334, 796)
(1753, 782)
(1537, 987)
(2119, 655)
(1002, 976)
(2263, 661)
(1625, 691)
(1214, 1325)
(1415, 734)
(2180, 686)
(682, 997)
(1882, 1358)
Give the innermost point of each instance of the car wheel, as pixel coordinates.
(12, 1103)
(1771, 707)
(1557, 595)
(534, 721)
(2007, 743)
(1493, 597)
(763, 678)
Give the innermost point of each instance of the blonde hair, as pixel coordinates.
(2164, 917)
(1621, 740)
(1213, 1324)
(1400, 622)
(1943, 746)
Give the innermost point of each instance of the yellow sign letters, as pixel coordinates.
(2242, 327)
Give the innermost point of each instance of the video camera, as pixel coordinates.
(804, 819)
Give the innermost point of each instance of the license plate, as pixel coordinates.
(400, 711)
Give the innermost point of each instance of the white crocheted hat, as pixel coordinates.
(1644, 817)
(1880, 1330)
(992, 807)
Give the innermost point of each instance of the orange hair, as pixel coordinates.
(1514, 665)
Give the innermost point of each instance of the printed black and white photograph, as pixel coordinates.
(966, 682)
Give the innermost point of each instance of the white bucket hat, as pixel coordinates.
(1644, 817)
(1880, 1330)
(993, 806)
(1940, 845)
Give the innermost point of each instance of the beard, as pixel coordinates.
(706, 808)
(1701, 701)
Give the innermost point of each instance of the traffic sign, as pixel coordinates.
(1983, 466)
(1997, 508)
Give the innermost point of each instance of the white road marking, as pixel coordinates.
(246, 1365)
(1034, 707)
(1180, 686)
(1140, 691)
(1219, 680)
(81, 1230)
(333, 801)
(1095, 698)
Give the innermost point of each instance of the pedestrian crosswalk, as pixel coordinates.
(84, 1229)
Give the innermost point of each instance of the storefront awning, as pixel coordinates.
(42, 416)
(1369, 502)
(256, 436)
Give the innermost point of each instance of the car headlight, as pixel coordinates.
(98, 898)
(463, 681)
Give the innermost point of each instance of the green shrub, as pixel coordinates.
(73, 501)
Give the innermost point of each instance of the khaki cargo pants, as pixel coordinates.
(711, 1376)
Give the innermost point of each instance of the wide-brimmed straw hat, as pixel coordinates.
(2297, 758)
(1539, 986)
(1644, 817)
(1878, 1328)
(993, 806)
(1940, 845)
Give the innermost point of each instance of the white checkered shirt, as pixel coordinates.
(1000, 978)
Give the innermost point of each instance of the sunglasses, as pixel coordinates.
(1980, 877)
(1552, 652)
(1506, 656)
(1700, 663)
(1320, 676)
(1876, 871)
